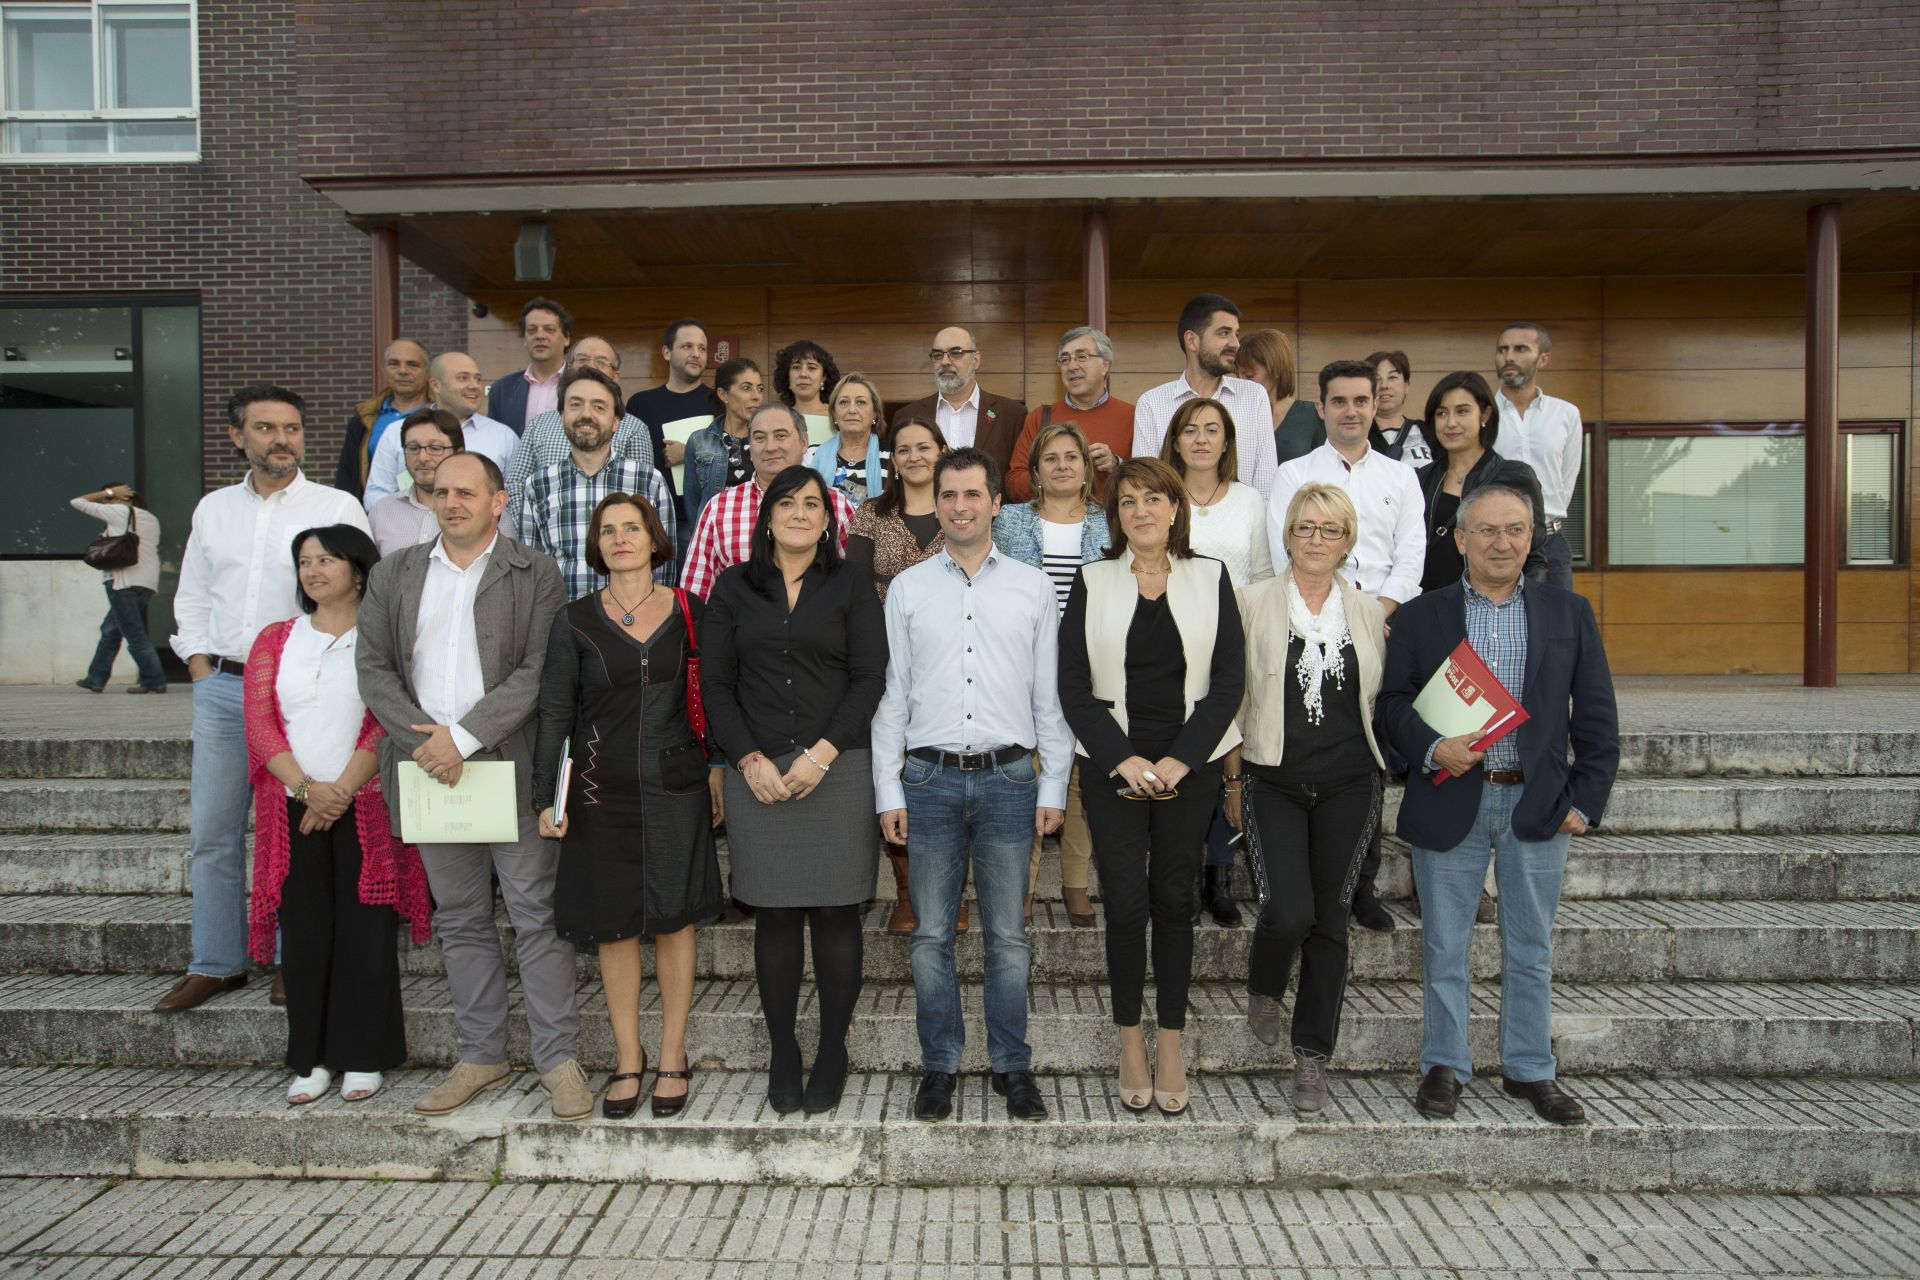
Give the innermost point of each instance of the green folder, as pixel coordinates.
(479, 809)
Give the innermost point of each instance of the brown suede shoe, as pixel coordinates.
(279, 993)
(902, 920)
(467, 1081)
(567, 1088)
(960, 926)
(195, 990)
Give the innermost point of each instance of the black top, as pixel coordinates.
(657, 406)
(1156, 673)
(1490, 469)
(1336, 748)
(775, 681)
(1092, 720)
(1444, 562)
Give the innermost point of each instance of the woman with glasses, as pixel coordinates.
(851, 459)
(1465, 422)
(1151, 671)
(1312, 770)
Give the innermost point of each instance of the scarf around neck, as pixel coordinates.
(1322, 655)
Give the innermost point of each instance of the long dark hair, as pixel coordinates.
(763, 570)
(893, 499)
(1476, 386)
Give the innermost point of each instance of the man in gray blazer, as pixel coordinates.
(452, 638)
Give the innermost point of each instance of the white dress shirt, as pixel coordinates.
(1252, 424)
(319, 693)
(446, 653)
(961, 426)
(1547, 437)
(236, 574)
(972, 665)
(1390, 552)
(387, 472)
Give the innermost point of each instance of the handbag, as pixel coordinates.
(696, 709)
(114, 550)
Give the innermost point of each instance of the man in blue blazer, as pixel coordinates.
(546, 330)
(1520, 801)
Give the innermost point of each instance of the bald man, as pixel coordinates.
(966, 413)
(405, 362)
(454, 384)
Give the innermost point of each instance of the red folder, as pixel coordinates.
(1465, 697)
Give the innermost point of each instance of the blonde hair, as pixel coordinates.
(1048, 434)
(1333, 500)
(857, 380)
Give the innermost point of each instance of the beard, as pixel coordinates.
(275, 465)
(948, 382)
(1214, 365)
(586, 436)
(1513, 381)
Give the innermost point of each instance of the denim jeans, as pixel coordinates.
(1528, 874)
(126, 617)
(217, 843)
(990, 812)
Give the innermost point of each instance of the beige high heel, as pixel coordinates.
(1171, 1102)
(1136, 1100)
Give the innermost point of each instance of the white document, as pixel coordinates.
(479, 809)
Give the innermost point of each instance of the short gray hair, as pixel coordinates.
(1493, 489)
(1102, 344)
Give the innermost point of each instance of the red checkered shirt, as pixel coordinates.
(724, 535)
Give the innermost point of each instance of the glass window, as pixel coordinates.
(1736, 495)
(96, 80)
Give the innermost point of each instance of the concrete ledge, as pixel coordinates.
(111, 804)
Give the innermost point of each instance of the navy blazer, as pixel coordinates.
(507, 400)
(1569, 697)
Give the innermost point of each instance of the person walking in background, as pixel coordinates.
(795, 661)
(636, 843)
(328, 873)
(129, 588)
(1266, 357)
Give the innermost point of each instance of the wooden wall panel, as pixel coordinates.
(1546, 300)
(1640, 297)
(1766, 395)
(1765, 648)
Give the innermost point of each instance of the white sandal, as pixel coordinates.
(358, 1086)
(309, 1088)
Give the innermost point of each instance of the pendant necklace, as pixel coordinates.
(626, 618)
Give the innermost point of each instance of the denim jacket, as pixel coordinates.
(705, 467)
(1016, 531)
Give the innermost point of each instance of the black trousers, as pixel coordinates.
(1149, 854)
(1312, 837)
(338, 956)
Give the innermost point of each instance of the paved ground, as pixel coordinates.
(163, 1230)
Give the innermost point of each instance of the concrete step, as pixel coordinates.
(1809, 1136)
(1764, 805)
(1677, 1028)
(66, 755)
(1602, 941)
(112, 804)
(69, 862)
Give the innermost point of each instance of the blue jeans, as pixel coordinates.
(126, 617)
(217, 845)
(1528, 875)
(991, 812)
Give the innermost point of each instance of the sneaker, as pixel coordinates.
(1309, 1081)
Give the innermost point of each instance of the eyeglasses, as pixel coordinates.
(1327, 532)
(601, 363)
(955, 354)
(1128, 793)
(1066, 358)
(1488, 532)
(430, 450)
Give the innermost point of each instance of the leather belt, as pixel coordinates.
(229, 666)
(1554, 526)
(970, 761)
(1506, 777)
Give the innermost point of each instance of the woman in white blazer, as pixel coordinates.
(1151, 671)
(1312, 771)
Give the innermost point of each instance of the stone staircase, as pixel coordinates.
(1737, 1002)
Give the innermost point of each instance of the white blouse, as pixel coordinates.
(1234, 532)
(319, 693)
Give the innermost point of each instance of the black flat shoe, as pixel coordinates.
(1022, 1095)
(622, 1108)
(1438, 1094)
(1550, 1101)
(933, 1100)
(664, 1107)
(827, 1082)
(1369, 914)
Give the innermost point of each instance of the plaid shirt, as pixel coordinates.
(1498, 633)
(724, 535)
(558, 504)
(545, 443)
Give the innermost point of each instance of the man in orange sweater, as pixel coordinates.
(1086, 360)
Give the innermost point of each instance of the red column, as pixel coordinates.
(1093, 243)
(384, 243)
(1821, 665)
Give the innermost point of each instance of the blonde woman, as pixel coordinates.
(851, 459)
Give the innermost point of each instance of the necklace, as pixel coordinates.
(1147, 573)
(1213, 497)
(626, 618)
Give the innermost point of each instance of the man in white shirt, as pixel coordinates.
(966, 413)
(236, 576)
(1541, 431)
(1209, 335)
(452, 641)
(454, 384)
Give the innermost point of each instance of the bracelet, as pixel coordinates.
(1234, 777)
(301, 788)
(808, 753)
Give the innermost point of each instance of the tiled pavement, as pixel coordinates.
(172, 1230)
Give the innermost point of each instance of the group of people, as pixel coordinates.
(1156, 630)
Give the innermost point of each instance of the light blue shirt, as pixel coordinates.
(972, 665)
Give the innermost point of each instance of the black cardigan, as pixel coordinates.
(1494, 469)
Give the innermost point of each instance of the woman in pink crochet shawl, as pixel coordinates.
(327, 871)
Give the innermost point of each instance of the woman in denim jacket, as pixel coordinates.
(716, 456)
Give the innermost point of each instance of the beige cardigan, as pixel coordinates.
(1263, 615)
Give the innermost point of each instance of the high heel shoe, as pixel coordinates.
(622, 1108)
(1171, 1102)
(664, 1107)
(1135, 1099)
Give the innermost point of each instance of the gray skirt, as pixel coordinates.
(822, 851)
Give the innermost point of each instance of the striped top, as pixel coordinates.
(1060, 556)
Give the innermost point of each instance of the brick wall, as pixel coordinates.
(547, 85)
(283, 280)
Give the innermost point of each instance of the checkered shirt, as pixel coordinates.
(558, 503)
(1498, 633)
(724, 534)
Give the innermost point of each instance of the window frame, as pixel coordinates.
(95, 10)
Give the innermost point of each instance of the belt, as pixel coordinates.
(1506, 777)
(1553, 526)
(970, 761)
(229, 666)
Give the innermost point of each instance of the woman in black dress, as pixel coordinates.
(637, 855)
(795, 662)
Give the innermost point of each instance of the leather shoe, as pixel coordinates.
(195, 990)
(1022, 1095)
(1486, 912)
(1079, 907)
(1550, 1102)
(1438, 1094)
(1369, 914)
(934, 1099)
(278, 996)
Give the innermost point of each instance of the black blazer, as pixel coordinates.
(1495, 469)
(507, 400)
(1569, 695)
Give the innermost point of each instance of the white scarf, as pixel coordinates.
(1326, 638)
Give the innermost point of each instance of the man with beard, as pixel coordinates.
(965, 413)
(1540, 430)
(559, 502)
(776, 440)
(236, 577)
(1086, 362)
(545, 440)
(1209, 336)
(405, 362)
(455, 385)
